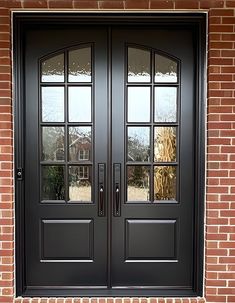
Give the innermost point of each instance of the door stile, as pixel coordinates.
(109, 202)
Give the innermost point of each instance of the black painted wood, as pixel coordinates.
(151, 246)
(89, 268)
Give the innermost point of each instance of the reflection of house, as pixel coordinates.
(83, 172)
(59, 154)
(79, 150)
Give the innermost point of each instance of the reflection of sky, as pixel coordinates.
(139, 133)
(141, 77)
(53, 104)
(80, 104)
(81, 134)
(138, 104)
(165, 104)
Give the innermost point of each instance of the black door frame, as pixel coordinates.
(197, 22)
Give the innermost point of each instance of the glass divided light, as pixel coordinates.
(67, 126)
(152, 106)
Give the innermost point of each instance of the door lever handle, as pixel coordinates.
(117, 200)
(101, 189)
(101, 200)
(116, 189)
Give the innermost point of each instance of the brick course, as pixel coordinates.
(220, 199)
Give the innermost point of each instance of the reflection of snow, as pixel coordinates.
(138, 104)
(80, 104)
(165, 104)
(167, 77)
(52, 104)
(80, 76)
(53, 78)
(80, 193)
(135, 193)
(140, 77)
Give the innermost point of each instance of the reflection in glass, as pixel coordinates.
(53, 69)
(80, 65)
(138, 143)
(53, 104)
(165, 144)
(80, 183)
(80, 143)
(80, 104)
(138, 183)
(138, 65)
(53, 183)
(52, 143)
(165, 183)
(165, 69)
(165, 104)
(138, 104)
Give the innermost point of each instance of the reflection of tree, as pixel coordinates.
(165, 144)
(53, 183)
(165, 183)
(53, 143)
(165, 176)
(137, 150)
(138, 176)
(79, 140)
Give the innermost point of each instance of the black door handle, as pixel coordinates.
(117, 199)
(117, 193)
(101, 188)
(101, 200)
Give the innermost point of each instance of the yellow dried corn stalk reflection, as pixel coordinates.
(165, 144)
(165, 183)
(165, 151)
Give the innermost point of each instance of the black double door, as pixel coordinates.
(109, 159)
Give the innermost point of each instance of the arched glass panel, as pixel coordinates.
(66, 126)
(53, 69)
(152, 108)
(139, 65)
(80, 65)
(165, 69)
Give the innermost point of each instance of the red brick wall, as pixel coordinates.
(220, 200)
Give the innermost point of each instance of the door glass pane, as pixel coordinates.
(165, 104)
(80, 65)
(165, 144)
(53, 69)
(138, 188)
(138, 143)
(53, 183)
(80, 143)
(80, 183)
(53, 143)
(165, 69)
(138, 65)
(138, 104)
(165, 183)
(80, 104)
(53, 104)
